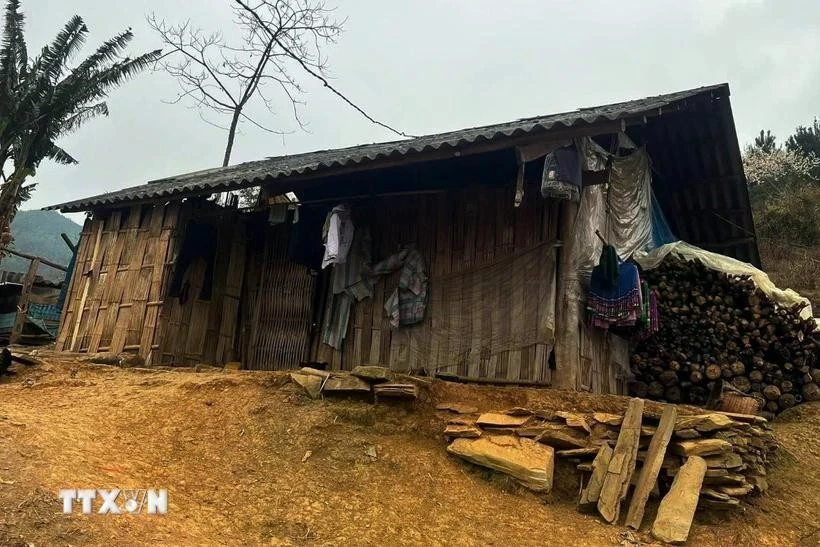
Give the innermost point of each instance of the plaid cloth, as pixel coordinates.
(408, 302)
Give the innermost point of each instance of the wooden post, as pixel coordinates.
(22, 304)
(567, 337)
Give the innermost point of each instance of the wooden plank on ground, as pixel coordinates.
(622, 465)
(677, 508)
(600, 465)
(651, 467)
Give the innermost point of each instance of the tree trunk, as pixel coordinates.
(231, 135)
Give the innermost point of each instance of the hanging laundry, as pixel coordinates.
(608, 263)
(562, 174)
(336, 326)
(407, 304)
(615, 305)
(338, 235)
(353, 275)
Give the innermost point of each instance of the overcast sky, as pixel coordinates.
(435, 65)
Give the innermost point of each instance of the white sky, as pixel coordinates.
(435, 65)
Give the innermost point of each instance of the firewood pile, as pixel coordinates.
(716, 326)
(706, 461)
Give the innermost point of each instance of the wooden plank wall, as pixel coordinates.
(456, 231)
(604, 361)
(116, 291)
(204, 331)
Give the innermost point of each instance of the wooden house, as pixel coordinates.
(504, 299)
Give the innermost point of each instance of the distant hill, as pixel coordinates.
(38, 233)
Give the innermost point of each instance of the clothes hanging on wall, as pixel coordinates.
(353, 275)
(198, 246)
(407, 304)
(562, 174)
(336, 326)
(337, 234)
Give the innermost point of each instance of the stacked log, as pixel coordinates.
(738, 449)
(716, 326)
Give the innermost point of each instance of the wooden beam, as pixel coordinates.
(39, 259)
(651, 466)
(22, 304)
(68, 242)
(622, 465)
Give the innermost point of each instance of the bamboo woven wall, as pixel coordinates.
(279, 294)
(116, 291)
(456, 231)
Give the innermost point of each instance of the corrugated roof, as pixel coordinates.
(255, 172)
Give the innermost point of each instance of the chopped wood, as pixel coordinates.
(575, 420)
(458, 408)
(529, 462)
(652, 465)
(561, 436)
(608, 419)
(579, 452)
(748, 418)
(677, 508)
(494, 419)
(701, 447)
(314, 372)
(591, 493)
(704, 423)
(622, 465)
(462, 431)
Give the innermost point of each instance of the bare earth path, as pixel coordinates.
(229, 449)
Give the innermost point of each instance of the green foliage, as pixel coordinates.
(38, 233)
(43, 99)
(765, 142)
(792, 217)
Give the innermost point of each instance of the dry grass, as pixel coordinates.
(229, 447)
(793, 267)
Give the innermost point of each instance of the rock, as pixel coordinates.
(460, 420)
(493, 419)
(704, 423)
(558, 436)
(456, 431)
(737, 491)
(677, 508)
(314, 372)
(519, 411)
(102, 359)
(370, 452)
(760, 484)
(458, 408)
(372, 373)
(701, 447)
(724, 478)
(307, 455)
(346, 384)
(577, 421)
(529, 462)
(311, 384)
(729, 460)
(687, 434)
(731, 503)
(712, 494)
(393, 390)
(608, 419)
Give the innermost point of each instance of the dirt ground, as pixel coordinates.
(229, 447)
